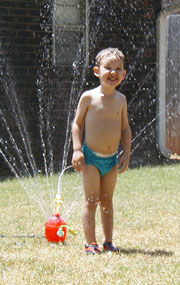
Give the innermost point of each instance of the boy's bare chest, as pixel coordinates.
(106, 110)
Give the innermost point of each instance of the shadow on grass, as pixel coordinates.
(157, 252)
(20, 236)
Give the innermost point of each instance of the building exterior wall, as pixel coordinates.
(43, 89)
(168, 96)
(167, 3)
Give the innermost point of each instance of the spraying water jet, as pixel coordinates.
(55, 226)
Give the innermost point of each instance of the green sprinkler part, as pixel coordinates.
(60, 232)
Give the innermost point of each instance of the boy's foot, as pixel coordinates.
(108, 246)
(92, 248)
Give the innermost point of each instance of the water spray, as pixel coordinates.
(55, 226)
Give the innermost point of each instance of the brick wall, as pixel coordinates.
(29, 80)
(21, 53)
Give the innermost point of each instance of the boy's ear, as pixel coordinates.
(124, 74)
(96, 71)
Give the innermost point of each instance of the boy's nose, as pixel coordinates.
(113, 70)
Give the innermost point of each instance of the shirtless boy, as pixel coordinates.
(102, 113)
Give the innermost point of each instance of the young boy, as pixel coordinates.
(102, 112)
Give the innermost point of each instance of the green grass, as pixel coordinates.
(146, 228)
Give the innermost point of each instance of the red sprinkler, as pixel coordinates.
(52, 226)
(55, 227)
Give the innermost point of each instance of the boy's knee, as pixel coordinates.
(106, 202)
(91, 202)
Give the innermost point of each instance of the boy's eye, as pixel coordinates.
(118, 69)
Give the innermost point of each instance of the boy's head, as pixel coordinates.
(108, 52)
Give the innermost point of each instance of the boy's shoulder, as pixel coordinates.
(120, 95)
(86, 97)
(89, 93)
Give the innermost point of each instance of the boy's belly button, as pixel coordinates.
(109, 147)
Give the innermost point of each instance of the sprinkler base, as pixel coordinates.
(52, 227)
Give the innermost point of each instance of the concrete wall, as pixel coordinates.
(166, 3)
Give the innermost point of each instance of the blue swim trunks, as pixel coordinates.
(104, 163)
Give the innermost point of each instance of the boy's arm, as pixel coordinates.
(77, 131)
(125, 139)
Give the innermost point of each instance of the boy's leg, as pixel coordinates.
(91, 185)
(108, 183)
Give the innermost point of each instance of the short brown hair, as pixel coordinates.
(108, 52)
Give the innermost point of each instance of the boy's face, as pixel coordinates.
(111, 71)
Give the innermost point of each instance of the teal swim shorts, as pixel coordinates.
(104, 163)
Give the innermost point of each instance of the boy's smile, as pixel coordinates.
(113, 75)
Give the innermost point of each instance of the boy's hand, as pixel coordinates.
(78, 160)
(123, 163)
